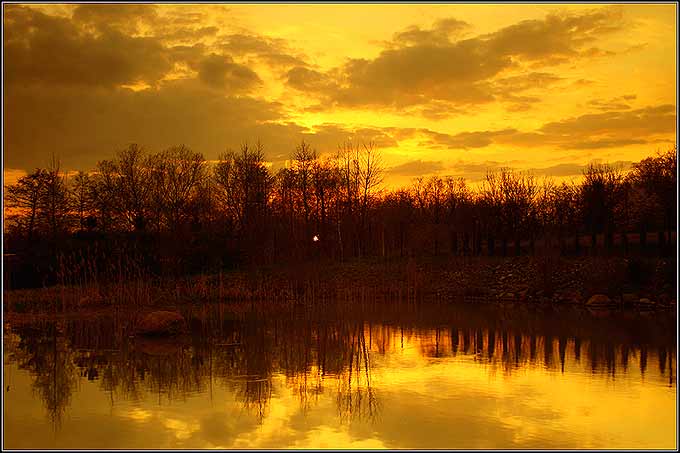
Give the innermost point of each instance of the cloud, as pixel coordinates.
(604, 143)
(329, 136)
(464, 140)
(423, 65)
(273, 51)
(574, 169)
(127, 18)
(440, 34)
(306, 79)
(101, 45)
(640, 122)
(591, 131)
(555, 38)
(416, 168)
(615, 103)
(220, 71)
(176, 112)
(53, 50)
(182, 111)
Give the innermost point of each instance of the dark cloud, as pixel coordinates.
(574, 169)
(422, 65)
(440, 34)
(189, 34)
(507, 89)
(438, 110)
(177, 112)
(220, 71)
(592, 131)
(616, 103)
(273, 51)
(604, 143)
(334, 134)
(417, 168)
(126, 17)
(640, 122)
(568, 169)
(44, 49)
(464, 140)
(306, 79)
(558, 36)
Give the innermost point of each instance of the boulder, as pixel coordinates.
(161, 322)
(646, 304)
(599, 301)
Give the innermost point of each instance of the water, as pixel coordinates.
(403, 376)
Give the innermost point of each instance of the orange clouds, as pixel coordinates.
(454, 83)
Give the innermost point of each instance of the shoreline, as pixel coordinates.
(638, 284)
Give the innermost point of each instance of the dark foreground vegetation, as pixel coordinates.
(139, 226)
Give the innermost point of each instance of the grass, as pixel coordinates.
(527, 279)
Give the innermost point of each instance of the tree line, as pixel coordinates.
(183, 213)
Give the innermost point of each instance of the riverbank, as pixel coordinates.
(643, 283)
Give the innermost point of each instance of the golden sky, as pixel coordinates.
(446, 89)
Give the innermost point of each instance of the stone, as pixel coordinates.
(161, 322)
(599, 300)
(645, 301)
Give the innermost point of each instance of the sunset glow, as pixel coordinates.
(445, 89)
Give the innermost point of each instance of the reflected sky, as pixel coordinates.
(309, 382)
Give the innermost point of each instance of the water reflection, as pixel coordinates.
(317, 355)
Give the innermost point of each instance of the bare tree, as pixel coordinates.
(81, 194)
(303, 163)
(601, 192)
(25, 196)
(177, 173)
(134, 185)
(54, 203)
(244, 183)
(104, 193)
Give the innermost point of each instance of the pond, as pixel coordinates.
(402, 375)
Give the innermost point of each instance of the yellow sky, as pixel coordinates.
(447, 89)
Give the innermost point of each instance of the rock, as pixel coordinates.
(600, 301)
(646, 304)
(161, 322)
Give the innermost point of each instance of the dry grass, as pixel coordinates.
(444, 279)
